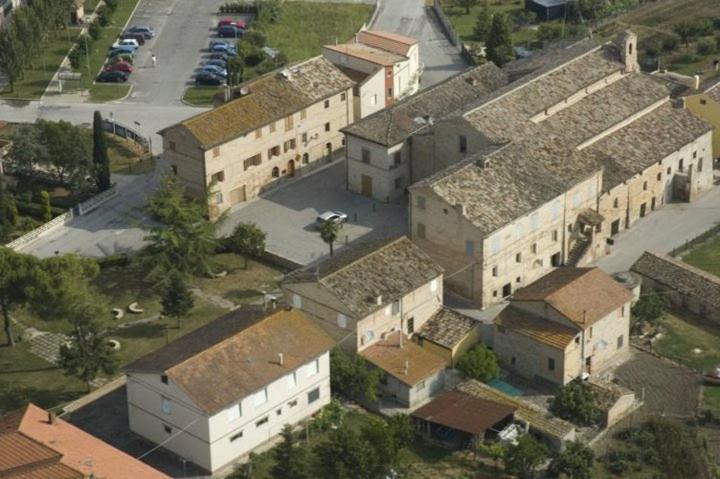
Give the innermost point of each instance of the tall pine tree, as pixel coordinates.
(291, 460)
(498, 47)
(100, 154)
(177, 300)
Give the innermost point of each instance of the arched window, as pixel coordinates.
(275, 172)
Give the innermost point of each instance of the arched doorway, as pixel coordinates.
(291, 168)
(275, 172)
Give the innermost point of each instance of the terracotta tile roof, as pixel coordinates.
(60, 450)
(447, 327)
(271, 97)
(537, 417)
(536, 328)
(497, 188)
(217, 373)
(394, 124)
(583, 295)
(391, 42)
(679, 276)
(464, 412)
(367, 53)
(388, 269)
(391, 358)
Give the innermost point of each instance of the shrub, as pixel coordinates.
(353, 377)
(479, 363)
(94, 30)
(670, 43)
(705, 47)
(74, 57)
(239, 7)
(575, 402)
(111, 4)
(103, 16)
(549, 31)
(686, 58)
(255, 38)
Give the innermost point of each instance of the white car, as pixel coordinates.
(126, 42)
(335, 216)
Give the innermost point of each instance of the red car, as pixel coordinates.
(119, 67)
(230, 21)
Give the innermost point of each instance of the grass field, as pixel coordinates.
(200, 95)
(302, 30)
(464, 23)
(706, 256)
(684, 335)
(44, 66)
(126, 157)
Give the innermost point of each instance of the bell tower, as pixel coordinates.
(627, 43)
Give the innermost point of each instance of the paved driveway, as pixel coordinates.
(288, 215)
(414, 19)
(182, 31)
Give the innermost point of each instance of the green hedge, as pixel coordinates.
(36, 210)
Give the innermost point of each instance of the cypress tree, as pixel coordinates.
(100, 154)
(499, 43)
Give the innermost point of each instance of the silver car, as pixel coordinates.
(335, 216)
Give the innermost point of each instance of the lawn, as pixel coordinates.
(127, 158)
(711, 398)
(38, 76)
(683, 336)
(306, 26)
(706, 256)
(464, 23)
(241, 285)
(201, 95)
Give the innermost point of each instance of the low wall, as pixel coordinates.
(87, 206)
(40, 231)
(450, 32)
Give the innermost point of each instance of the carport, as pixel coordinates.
(456, 418)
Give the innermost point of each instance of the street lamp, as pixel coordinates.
(112, 120)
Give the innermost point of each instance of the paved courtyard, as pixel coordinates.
(288, 215)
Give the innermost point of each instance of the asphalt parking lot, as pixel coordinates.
(288, 215)
(183, 30)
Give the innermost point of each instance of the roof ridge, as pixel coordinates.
(357, 260)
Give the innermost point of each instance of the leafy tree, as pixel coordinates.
(483, 24)
(345, 455)
(17, 277)
(329, 233)
(184, 241)
(236, 70)
(100, 154)
(27, 149)
(247, 239)
(548, 32)
(705, 47)
(498, 47)
(649, 309)
(255, 37)
(401, 430)
(8, 208)
(466, 4)
(61, 283)
(524, 458)
(292, 461)
(576, 461)
(94, 30)
(575, 402)
(479, 363)
(69, 152)
(687, 31)
(88, 352)
(11, 60)
(46, 209)
(353, 377)
(670, 42)
(494, 450)
(177, 299)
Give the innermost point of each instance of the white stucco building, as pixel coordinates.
(215, 394)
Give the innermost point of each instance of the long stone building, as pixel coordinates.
(538, 173)
(283, 124)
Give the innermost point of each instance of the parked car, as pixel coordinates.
(139, 37)
(121, 57)
(220, 56)
(230, 31)
(335, 216)
(208, 79)
(147, 32)
(131, 42)
(112, 77)
(122, 49)
(231, 22)
(218, 63)
(119, 67)
(226, 48)
(221, 72)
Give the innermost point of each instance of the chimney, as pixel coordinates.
(407, 367)
(281, 359)
(378, 300)
(52, 417)
(471, 80)
(696, 82)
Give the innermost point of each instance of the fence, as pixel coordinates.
(714, 231)
(451, 34)
(123, 131)
(87, 206)
(40, 231)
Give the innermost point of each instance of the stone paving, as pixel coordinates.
(47, 346)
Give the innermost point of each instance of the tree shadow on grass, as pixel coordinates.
(146, 330)
(14, 396)
(242, 295)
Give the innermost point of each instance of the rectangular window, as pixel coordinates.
(252, 161)
(258, 133)
(260, 397)
(622, 312)
(165, 405)
(420, 386)
(620, 341)
(463, 144)
(365, 152)
(645, 185)
(327, 103)
(218, 177)
(616, 202)
(289, 145)
(397, 159)
(433, 285)
(533, 248)
(274, 151)
(373, 100)
(342, 96)
(216, 152)
(470, 247)
(421, 230)
(694, 154)
(700, 162)
(233, 412)
(172, 146)
(389, 92)
(410, 325)
(218, 198)
(304, 137)
(555, 235)
(495, 271)
(659, 176)
(293, 403)
(396, 307)
(342, 321)
(236, 436)
(681, 165)
(291, 380)
(289, 123)
(313, 368)
(551, 364)
(518, 257)
(313, 395)
(669, 170)
(164, 379)
(262, 421)
(327, 126)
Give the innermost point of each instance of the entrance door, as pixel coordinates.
(507, 290)
(237, 195)
(652, 204)
(291, 168)
(643, 207)
(615, 228)
(588, 365)
(366, 186)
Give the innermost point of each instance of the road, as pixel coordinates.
(665, 229)
(411, 18)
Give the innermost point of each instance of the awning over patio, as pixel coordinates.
(590, 217)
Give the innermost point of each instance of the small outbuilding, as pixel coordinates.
(459, 418)
(547, 9)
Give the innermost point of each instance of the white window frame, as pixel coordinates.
(165, 405)
(233, 412)
(292, 380)
(297, 301)
(260, 397)
(312, 368)
(342, 320)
